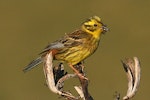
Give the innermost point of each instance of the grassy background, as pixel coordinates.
(26, 27)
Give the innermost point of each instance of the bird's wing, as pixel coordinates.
(69, 40)
(54, 45)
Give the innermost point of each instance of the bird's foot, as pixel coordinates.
(80, 75)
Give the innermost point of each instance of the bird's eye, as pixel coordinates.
(95, 25)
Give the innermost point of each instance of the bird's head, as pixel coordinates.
(94, 26)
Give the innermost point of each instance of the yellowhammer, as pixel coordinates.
(76, 46)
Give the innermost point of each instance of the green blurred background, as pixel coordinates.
(27, 26)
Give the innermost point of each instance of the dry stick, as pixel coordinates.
(48, 71)
(133, 71)
(132, 68)
(54, 87)
(80, 92)
(84, 83)
(61, 80)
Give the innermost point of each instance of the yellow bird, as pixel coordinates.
(74, 47)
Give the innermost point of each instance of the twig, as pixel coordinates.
(55, 78)
(61, 80)
(84, 82)
(80, 91)
(48, 70)
(133, 71)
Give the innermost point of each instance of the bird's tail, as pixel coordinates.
(33, 64)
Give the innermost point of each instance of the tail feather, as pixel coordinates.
(33, 64)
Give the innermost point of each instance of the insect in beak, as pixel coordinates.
(105, 29)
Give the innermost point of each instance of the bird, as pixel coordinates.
(74, 47)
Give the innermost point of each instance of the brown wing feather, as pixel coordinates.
(69, 40)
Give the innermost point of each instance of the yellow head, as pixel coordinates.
(94, 26)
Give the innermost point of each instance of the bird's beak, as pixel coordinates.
(105, 29)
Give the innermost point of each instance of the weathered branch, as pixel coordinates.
(48, 70)
(55, 78)
(133, 71)
(84, 82)
(80, 91)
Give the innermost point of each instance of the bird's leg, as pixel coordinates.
(77, 72)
